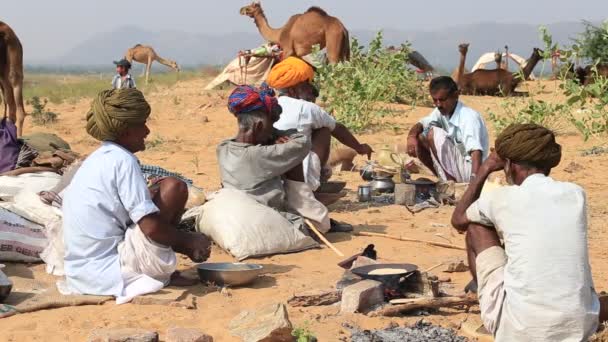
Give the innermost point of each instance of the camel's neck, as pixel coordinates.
(166, 62)
(530, 65)
(270, 34)
(463, 56)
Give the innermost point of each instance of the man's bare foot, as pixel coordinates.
(178, 280)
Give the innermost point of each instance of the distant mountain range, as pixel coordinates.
(194, 49)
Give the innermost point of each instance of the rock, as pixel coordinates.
(573, 167)
(123, 335)
(457, 267)
(315, 298)
(268, 324)
(187, 335)
(204, 119)
(405, 194)
(362, 296)
(444, 279)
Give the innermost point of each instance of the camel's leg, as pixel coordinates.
(334, 45)
(9, 99)
(20, 111)
(148, 67)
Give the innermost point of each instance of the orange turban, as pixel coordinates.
(290, 72)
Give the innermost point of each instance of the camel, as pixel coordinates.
(11, 76)
(145, 54)
(416, 59)
(587, 75)
(498, 60)
(493, 82)
(303, 31)
(463, 48)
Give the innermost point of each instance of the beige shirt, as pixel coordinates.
(549, 293)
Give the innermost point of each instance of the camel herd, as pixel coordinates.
(296, 38)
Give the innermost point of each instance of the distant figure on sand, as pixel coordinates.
(266, 163)
(538, 287)
(120, 236)
(452, 141)
(292, 79)
(123, 79)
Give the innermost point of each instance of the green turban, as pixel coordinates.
(112, 111)
(529, 144)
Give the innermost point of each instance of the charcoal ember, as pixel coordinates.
(419, 332)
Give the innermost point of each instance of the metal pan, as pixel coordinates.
(364, 272)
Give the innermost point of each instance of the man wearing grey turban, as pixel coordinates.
(120, 237)
(527, 243)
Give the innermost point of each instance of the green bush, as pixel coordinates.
(358, 91)
(39, 114)
(593, 42)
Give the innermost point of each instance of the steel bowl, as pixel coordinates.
(229, 273)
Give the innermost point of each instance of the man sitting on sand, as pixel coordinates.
(119, 236)
(122, 79)
(292, 79)
(266, 163)
(539, 286)
(452, 141)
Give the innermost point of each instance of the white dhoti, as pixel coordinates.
(301, 199)
(146, 266)
(312, 170)
(451, 157)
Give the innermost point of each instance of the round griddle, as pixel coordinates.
(363, 271)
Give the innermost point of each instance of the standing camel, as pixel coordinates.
(11, 76)
(493, 82)
(303, 31)
(145, 54)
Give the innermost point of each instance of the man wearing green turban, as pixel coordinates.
(121, 237)
(538, 287)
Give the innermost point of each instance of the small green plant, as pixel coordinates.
(358, 91)
(39, 114)
(303, 334)
(591, 119)
(593, 42)
(155, 142)
(530, 111)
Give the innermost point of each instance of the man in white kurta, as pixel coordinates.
(120, 236)
(539, 286)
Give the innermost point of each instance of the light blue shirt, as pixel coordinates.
(119, 83)
(465, 127)
(107, 194)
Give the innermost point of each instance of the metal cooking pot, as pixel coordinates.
(382, 185)
(364, 272)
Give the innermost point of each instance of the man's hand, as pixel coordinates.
(412, 146)
(494, 162)
(198, 247)
(282, 140)
(365, 149)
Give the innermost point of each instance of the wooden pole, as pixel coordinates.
(322, 238)
(420, 303)
(438, 244)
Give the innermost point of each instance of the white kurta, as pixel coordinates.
(107, 195)
(549, 293)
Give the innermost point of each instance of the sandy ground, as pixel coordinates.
(185, 142)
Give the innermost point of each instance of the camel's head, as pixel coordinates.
(538, 53)
(252, 9)
(463, 48)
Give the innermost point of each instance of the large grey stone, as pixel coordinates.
(267, 324)
(123, 335)
(362, 296)
(187, 335)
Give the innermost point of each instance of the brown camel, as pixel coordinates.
(493, 82)
(11, 76)
(145, 54)
(303, 31)
(498, 59)
(463, 48)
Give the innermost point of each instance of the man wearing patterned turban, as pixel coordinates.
(538, 287)
(266, 163)
(292, 79)
(120, 239)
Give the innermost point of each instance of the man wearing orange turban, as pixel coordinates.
(292, 79)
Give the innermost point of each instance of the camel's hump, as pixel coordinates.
(317, 10)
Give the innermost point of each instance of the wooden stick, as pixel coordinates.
(322, 238)
(420, 303)
(438, 244)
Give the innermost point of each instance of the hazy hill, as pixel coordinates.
(191, 49)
